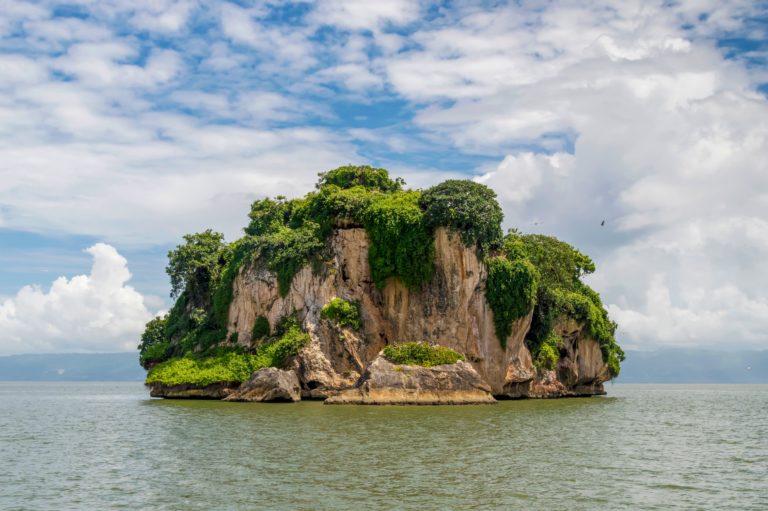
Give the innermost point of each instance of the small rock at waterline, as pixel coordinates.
(269, 384)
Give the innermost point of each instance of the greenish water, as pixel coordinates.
(100, 446)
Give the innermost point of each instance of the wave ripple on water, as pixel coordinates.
(107, 446)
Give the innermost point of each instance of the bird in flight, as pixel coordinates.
(602, 223)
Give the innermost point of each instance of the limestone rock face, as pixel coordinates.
(384, 383)
(581, 368)
(214, 391)
(579, 372)
(450, 310)
(268, 384)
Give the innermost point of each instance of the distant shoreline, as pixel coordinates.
(665, 366)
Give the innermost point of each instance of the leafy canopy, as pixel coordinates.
(154, 345)
(560, 265)
(363, 175)
(267, 216)
(194, 264)
(468, 207)
(562, 292)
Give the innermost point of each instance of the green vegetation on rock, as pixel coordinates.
(200, 339)
(287, 250)
(154, 345)
(260, 329)
(549, 352)
(273, 353)
(360, 176)
(232, 260)
(228, 366)
(421, 354)
(401, 244)
(510, 291)
(343, 313)
(561, 265)
(194, 265)
(466, 207)
(561, 292)
(525, 272)
(288, 234)
(268, 216)
(177, 320)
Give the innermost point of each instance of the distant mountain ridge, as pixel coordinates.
(72, 367)
(661, 366)
(690, 365)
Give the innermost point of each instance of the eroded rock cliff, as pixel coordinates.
(450, 310)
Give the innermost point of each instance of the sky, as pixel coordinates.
(126, 124)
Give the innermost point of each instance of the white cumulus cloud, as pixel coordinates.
(176, 114)
(96, 312)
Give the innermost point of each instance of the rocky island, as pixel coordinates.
(366, 292)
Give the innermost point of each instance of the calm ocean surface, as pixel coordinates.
(100, 446)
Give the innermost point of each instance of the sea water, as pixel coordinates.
(102, 446)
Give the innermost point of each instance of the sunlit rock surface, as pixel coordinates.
(450, 310)
(385, 383)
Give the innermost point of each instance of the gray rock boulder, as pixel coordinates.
(268, 384)
(384, 383)
(185, 391)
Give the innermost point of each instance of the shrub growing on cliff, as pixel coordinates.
(586, 308)
(154, 345)
(235, 256)
(228, 366)
(274, 353)
(343, 313)
(510, 290)
(288, 233)
(560, 265)
(545, 313)
(562, 292)
(177, 319)
(467, 207)
(615, 357)
(548, 353)
(288, 250)
(421, 354)
(401, 244)
(260, 329)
